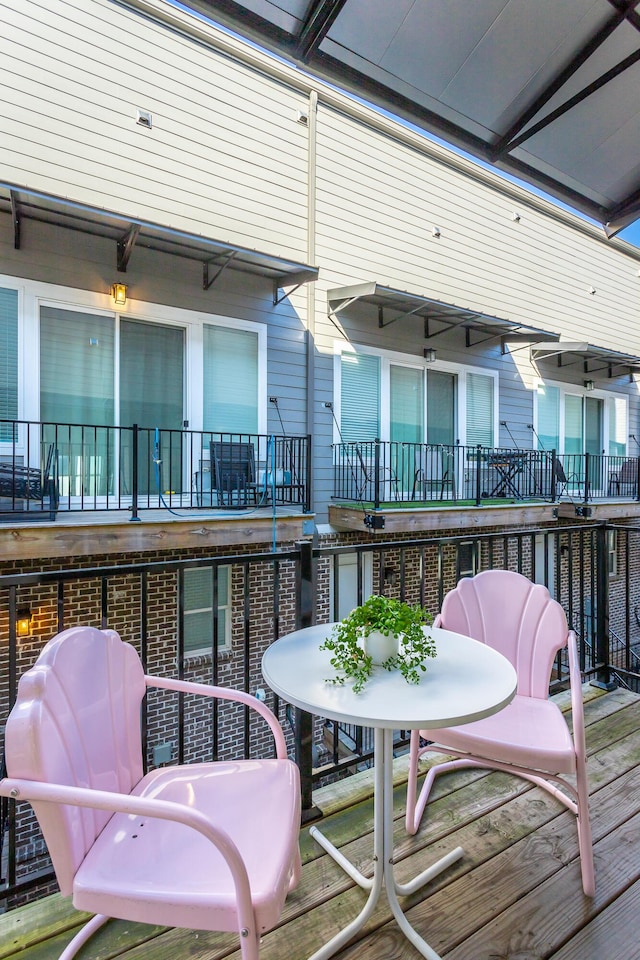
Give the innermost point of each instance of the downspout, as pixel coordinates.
(310, 338)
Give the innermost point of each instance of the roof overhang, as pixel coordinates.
(594, 359)
(549, 96)
(129, 233)
(394, 305)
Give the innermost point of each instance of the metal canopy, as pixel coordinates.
(128, 235)
(438, 317)
(546, 90)
(593, 359)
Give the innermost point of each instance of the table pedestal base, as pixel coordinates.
(382, 859)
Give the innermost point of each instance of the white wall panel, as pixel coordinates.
(378, 200)
(225, 156)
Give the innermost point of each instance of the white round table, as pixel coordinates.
(466, 681)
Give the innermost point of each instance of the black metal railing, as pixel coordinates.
(382, 473)
(79, 467)
(592, 569)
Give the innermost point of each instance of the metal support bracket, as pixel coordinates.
(207, 280)
(15, 219)
(125, 246)
(288, 285)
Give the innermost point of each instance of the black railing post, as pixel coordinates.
(637, 478)
(307, 472)
(478, 474)
(587, 476)
(376, 474)
(303, 722)
(134, 473)
(603, 677)
(554, 475)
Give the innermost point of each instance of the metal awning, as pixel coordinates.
(593, 359)
(393, 305)
(545, 90)
(129, 233)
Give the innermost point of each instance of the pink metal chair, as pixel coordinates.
(209, 846)
(529, 737)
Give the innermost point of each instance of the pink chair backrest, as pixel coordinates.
(516, 617)
(76, 721)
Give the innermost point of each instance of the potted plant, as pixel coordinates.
(381, 631)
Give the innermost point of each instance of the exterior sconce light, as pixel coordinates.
(589, 384)
(23, 622)
(429, 354)
(119, 293)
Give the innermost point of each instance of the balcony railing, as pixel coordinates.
(377, 473)
(50, 467)
(274, 593)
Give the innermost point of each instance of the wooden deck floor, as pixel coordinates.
(515, 895)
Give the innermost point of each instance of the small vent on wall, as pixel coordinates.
(302, 117)
(144, 119)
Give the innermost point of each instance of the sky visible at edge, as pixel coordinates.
(630, 234)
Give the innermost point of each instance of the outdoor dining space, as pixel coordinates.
(515, 893)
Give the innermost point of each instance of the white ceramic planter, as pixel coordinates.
(380, 647)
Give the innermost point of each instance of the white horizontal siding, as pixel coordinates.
(225, 157)
(378, 200)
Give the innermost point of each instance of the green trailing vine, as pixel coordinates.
(391, 617)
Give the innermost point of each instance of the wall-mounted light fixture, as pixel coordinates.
(435, 231)
(119, 293)
(429, 354)
(589, 384)
(23, 621)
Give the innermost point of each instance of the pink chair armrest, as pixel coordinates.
(223, 693)
(40, 791)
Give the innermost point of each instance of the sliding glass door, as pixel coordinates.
(152, 395)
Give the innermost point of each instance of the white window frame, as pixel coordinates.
(389, 357)
(33, 294)
(608, 396)
(224, 643)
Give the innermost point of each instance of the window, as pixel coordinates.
(8, 360)
(612, 551)
(480, 391)
(230, 380)
(548, 417)
(571, 422)
(198, 620)
(467, 558)
(397, 398)
(360, 397)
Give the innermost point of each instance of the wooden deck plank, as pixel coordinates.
(520, 860)
(608, 934)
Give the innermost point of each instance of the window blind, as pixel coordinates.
(198, 608)
(479, 409)
(151, 375)
(572, 424)
(441, 407)
(76, 367)
(548, 417)
(230, 380)
(8, 361)
(360, 397)
(617, 427)
(406, 404)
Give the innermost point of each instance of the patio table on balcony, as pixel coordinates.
(466, 681)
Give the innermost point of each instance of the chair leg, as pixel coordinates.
(82, 936)
(416, 806)
(585, 839)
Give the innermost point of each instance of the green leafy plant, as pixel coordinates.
(392, 618)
